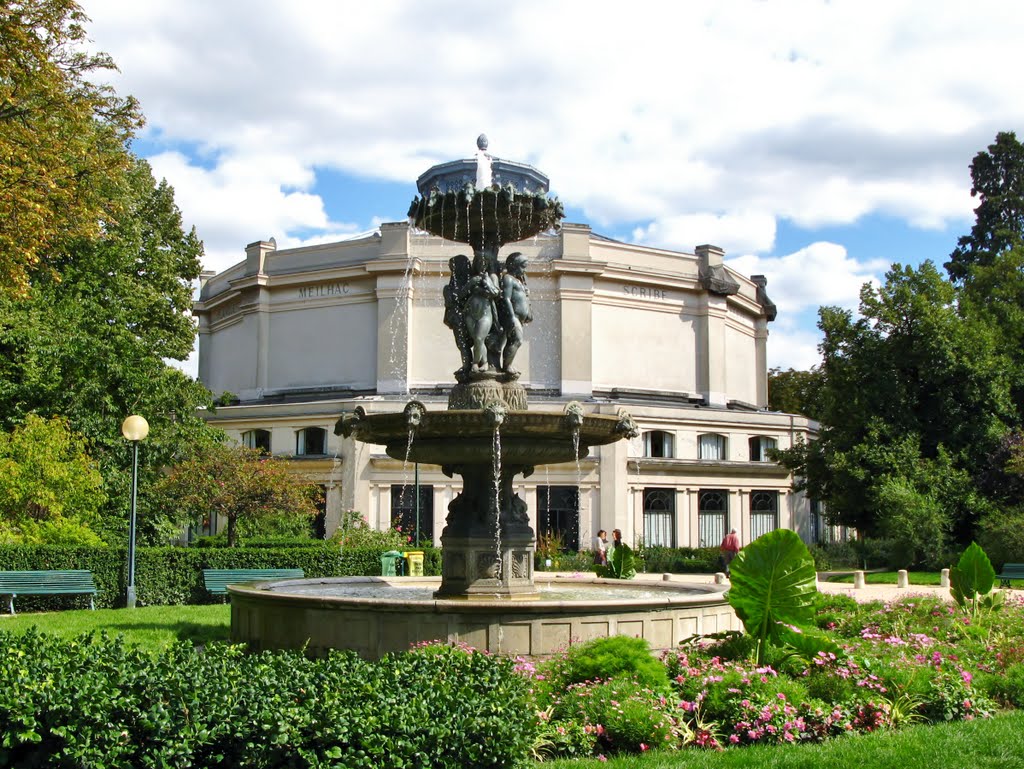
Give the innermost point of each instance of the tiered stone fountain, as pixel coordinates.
(488, 437)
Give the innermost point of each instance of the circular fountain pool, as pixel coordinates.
(374, 616)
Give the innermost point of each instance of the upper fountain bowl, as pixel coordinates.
(484, 201)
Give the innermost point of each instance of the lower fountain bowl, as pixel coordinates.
(374, 616)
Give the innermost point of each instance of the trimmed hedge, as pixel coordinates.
(100, 703)
(173, 575)
(682, 560)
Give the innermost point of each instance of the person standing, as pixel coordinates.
(730, 546)
(616, 539)
(601, 548)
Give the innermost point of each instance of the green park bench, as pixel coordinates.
(52, 582)
(1010, 571)
(217, 580)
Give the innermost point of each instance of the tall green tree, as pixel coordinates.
(997, 179)
(91, 345)
(63, 137)
(913, 394)
(793, 391)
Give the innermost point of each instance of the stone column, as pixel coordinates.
(575, 273)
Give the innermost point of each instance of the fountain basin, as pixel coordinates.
(303, 614)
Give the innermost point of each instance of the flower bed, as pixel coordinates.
(916, 660)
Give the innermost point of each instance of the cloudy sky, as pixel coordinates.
(817, 142)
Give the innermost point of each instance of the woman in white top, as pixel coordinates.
(601, 548)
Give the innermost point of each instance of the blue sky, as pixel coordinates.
(816, 142)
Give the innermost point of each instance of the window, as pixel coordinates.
(759, 446)
(764, 512)
(257, 439)
(558, 514)
(658, 443)
(404, 511)
(712, 517)
(312, 440)
(660, 517)
(712, 446)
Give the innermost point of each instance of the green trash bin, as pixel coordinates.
(391, 564)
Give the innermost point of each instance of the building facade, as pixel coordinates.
(297, 337)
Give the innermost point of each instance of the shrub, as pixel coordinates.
(624, 715)
(96, 702)
(1001, 534)
(616, 656)
(682, 560)
(1007, 688)
(173, 575)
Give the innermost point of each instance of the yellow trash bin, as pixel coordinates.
(414, 559)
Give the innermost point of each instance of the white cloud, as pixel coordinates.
(799, 283)
(820, 274)
(733, 232)
(684, 123)
(819, 112)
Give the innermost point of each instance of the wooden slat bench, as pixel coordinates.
(217, 580)
(52, 582)
(1010, 571)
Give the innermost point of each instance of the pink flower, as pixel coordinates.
(643, 746)
(601, 757)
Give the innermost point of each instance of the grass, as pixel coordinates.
(994, 743)
(915, 577)
(889, 578)
(150, 627)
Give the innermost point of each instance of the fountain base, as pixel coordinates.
(473, 567)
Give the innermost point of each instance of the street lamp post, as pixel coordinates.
(134, 429)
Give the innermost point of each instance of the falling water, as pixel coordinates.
(405, 466)
(585, 539)
(400, 311)
(497, 499)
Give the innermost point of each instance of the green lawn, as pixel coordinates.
(150, 627)
(994, 743)
(915, 577)
(889, 578)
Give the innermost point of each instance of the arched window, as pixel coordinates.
(764, 512)
(712, 517)
(257, 439)
(658, 443)
(712, 446)
(660, 517)
(311, 441)
(759, 446)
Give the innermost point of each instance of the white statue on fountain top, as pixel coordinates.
(483, 164)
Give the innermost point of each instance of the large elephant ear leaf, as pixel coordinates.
(773, 581)
(973, 575)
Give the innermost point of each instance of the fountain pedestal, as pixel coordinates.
(487, 545)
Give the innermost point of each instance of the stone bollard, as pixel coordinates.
(944, 578)
(902, 580)
(858, 580)
(666, 577)
(720, 578)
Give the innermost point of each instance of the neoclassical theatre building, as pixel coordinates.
(299, 336)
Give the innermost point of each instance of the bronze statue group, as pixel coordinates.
(486, 305)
